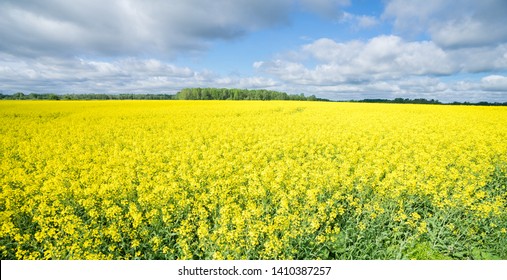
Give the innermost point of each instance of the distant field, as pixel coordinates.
(251, 180)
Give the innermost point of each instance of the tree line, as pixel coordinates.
(86, 96)
(184, 94)
(240, 94)
(222, 94)
(426, 101)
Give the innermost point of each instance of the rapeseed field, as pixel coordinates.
(251, 180)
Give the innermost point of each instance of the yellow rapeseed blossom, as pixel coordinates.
(247, 180)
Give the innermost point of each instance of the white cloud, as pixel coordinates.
(123, 75)
(128, 27)
(246, 82)
(390, 67)
(123, 46)
(328, 50)
(367, 21)
(383, 57)
(454, 24)
(413, 87)
(480, 59)
(494, 83)
(359, 21)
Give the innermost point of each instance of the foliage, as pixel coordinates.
(251, 180)
(86, 96)
(184, 94)
(239, 94)
(426, 101)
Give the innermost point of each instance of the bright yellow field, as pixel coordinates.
(251, 180)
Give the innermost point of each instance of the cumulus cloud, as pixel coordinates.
(118, 76)
(128, 27)
(494, 83)
(364, 21)
(359, 21)
(390, 66)
(95, 46)
(382, 57)
(412, 87)
(126, 46)
(452, 24)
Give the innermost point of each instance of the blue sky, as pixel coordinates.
(336, 49)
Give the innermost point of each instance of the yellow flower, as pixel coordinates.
(361, 226)
(422, 228)
(240, 180)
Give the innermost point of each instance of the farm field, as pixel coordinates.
(251, 180)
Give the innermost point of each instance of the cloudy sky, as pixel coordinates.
(337, 49)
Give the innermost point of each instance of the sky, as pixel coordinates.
(336, 49)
